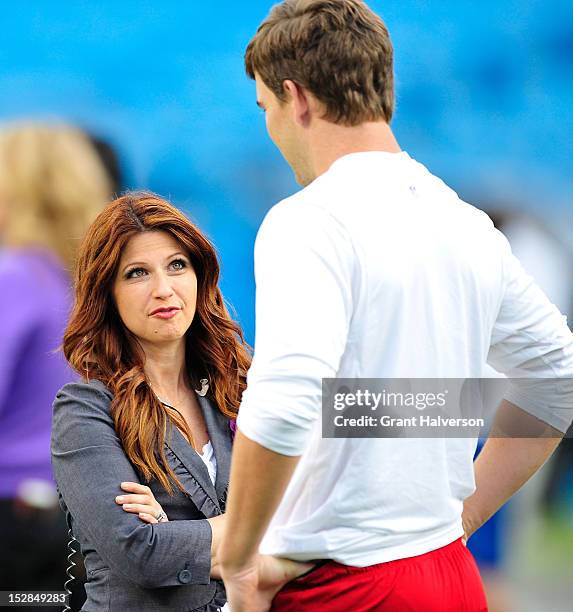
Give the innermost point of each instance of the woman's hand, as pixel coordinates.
(141, 502)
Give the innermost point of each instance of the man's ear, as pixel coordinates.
(302, 103)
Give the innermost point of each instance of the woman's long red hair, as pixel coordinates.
(98, 346)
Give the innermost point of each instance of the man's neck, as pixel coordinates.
(330, 142)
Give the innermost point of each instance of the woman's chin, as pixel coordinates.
(165, 336)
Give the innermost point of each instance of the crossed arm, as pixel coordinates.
(89, 465)
(139, 499)
(128, 539)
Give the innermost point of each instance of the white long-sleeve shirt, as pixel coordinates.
(378, 270)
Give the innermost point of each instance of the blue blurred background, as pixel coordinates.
(484, 99)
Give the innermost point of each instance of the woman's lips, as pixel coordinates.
(166, 314)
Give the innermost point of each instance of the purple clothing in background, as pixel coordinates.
(35, 298)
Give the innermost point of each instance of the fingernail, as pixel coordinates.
(119, 499)
(126, 506)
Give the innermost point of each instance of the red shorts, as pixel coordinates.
(443, 580)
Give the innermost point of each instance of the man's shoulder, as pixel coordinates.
(307, 207)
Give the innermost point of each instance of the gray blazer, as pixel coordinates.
(132, 565)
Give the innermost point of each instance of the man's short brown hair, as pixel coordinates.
(337, 49)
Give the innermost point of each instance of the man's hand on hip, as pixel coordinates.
(253, 587)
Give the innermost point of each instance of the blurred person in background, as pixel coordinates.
(110, 161)
(52, 185)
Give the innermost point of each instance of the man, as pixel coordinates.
(374, 270)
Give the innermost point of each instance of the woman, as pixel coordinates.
(52, 185)
(141, 447)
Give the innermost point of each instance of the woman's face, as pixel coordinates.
(155, 289)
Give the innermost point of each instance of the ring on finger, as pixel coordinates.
(161, 517)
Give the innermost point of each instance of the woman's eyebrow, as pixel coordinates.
(134, 263)
(180, 253)
(145, 263)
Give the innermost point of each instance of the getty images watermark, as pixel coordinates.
(451, 407)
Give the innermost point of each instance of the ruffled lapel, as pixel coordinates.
(196, 482)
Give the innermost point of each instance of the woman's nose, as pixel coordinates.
(162, 286)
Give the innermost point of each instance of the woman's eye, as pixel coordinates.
(178, 264)
(135, 273)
